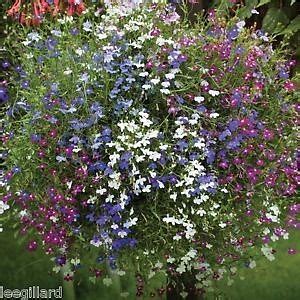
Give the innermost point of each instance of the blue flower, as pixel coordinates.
(233, 33)
(3, 95)
(25, 84)
(102, 220)
(233, 125)
(224, 134)
(210, 156)
(90, 217)
(97, 109)
(152, 166)
(108, 171)
(5, 64)
(51, 43)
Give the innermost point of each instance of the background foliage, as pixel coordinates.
(276, 17)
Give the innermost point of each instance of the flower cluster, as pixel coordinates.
(32, 13)
(158, 143)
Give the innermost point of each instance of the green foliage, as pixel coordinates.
(246, 11)
(278, 18)
(275, 21)
(293, 27)
(263, 2)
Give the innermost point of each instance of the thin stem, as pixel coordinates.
(68, 286)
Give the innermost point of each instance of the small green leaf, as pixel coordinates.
(245, 11)
(263, 2)
(92, 279)
(275, 20)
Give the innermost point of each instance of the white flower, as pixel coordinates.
(144, 74)
(79, 52)
(170, 76)
(23, 213)
(160, 184)
(29, 56)
(184, 294)
(252, 264)
(171, 220)
(130, 223)
(146, 87)
(68, 71)
(109, 198)
(107, 281)
(33, 36)
(240, 25)
(151, 274)
(113, 158)
(199, 99)
(181, 269)
(75, 261)
(165, 91)
(87, 26)
(122, 125)
(96, 243)
(101, 36)
(171, 260)
(65, 19)
(208, 246)
(213, 115)
(144, 119)
(101, 191)
(56, 32)
(173, 196)
(155, 81)
(267, 251)
(53, 219)
(158, 265)
(115, 184)
(3, 207)
(214, 93)
(92, 200)
(165, 84)
(147, 189)
(192, 253)
(122, 234)
(177, 237)
(201, 212)
(222, 225)
(154, 155)
(26, 42)
(199, 144)
(204, 83)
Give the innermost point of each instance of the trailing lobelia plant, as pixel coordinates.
(164, 147)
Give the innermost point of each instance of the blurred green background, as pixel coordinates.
(277, 280)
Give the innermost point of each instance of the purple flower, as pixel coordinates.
(25, 84)
(233, 33)
(3, 95)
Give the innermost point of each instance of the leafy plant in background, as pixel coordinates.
(164, 147)
(277, 17)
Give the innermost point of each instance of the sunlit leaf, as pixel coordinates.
(275, 20)
(293, 27)
(246, 11)
(263, 2)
